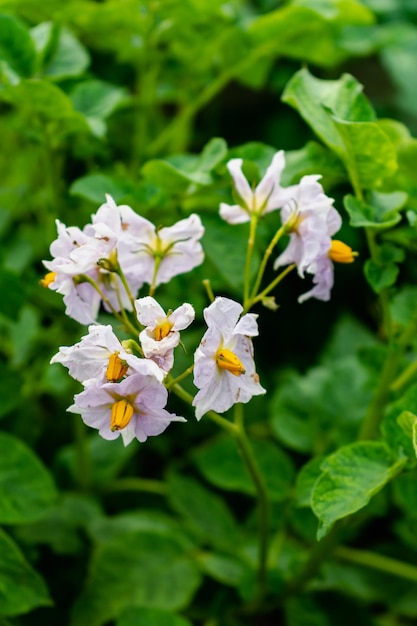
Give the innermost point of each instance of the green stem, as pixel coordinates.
(215, 417)
(209, 291)
(125, 284)
(369, 428)
(378, 562)
(404, 377)
(269, 288)
(138, 484)
(152, 288)
(321, 550)
(237, 430)
(122, 318)
(262, 496)
(179, 378)
(265, 259)
(249, 251)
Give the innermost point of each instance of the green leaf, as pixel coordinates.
(97, 100)
(67, 56)
(313, 159)
(382, 211)
(26, 488)
(212, 154)
(395, 436)
(135, 570)
(384, 272)
(21, 588)
(104, 529)
(404, 306)
(222, 465)
(175, 174)
(306, 479)
(206, 513)
(351, 476)
(107, 459)
(94, 187)
(60, 528)
(340, 115)
(150, 617)
(223, 568)
(408, 422)
(16, 46)
(307, 32)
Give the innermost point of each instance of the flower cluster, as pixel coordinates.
(115, 255)
(308, 216)
(125, 383)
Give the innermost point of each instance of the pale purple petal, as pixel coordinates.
(234, 214)
(241, 184)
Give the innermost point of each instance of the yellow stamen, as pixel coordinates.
(47, 279)
(341, 253)
(162, 330)
(116, 368)
(121, 414)
(227, 360)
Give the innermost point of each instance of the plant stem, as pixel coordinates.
(138, 484)
(262, 496)
(249, 251)
(265, 259)
(378, 561)
(404, 377)
(269, 288)
(179, 378)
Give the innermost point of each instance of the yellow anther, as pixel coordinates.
(121, 414)
(47, 279)
(227, 360)
(116, 368)
(162, 330)
(341, 253)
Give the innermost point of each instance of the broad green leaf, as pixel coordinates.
(175, 175)
(307, 32)
(16, 46)
(26, 488)
(405, 492)
(107, 459)
(135, 570)
(351, 476)
(94, 187)
(61, 527)
(313, 159)
(340, 115)
(310, 412)
(382, 210)
(206, 513)
(67, 56)
(212, 154)
(104, 529)
(306, 479)
(408, 422)
(383, 273)
(97, 100)
(21, 588)
(150, 617)
(394, 435)
(404, 306)
(223, 568)
(222, 465)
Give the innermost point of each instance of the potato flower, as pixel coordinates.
(161, 334)
(133, 408)
(224, 369)
(100, 357)
(266, 197)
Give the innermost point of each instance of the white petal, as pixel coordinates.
(234, 214)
